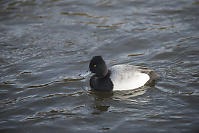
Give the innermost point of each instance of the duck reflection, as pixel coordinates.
(104, 100)
(101, 101)
(130, 95)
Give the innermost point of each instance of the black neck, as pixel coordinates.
(101, 83)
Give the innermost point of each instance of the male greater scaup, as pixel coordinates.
(118, 77)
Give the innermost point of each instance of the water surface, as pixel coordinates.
(45, 46)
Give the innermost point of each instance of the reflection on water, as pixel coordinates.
(46, 47)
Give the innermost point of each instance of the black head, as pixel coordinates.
(98, 66)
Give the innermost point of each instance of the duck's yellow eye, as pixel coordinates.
(94, 65)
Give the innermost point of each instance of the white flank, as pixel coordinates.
(127, 77)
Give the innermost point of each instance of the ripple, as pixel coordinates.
(64, 95)
(19, 99)
(135, 54)
(81, 14)
(56, 81)
(50, 114)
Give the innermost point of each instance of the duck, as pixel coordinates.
(119, 77)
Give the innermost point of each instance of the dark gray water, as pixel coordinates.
(46, 44)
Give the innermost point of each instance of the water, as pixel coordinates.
(46, 45)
